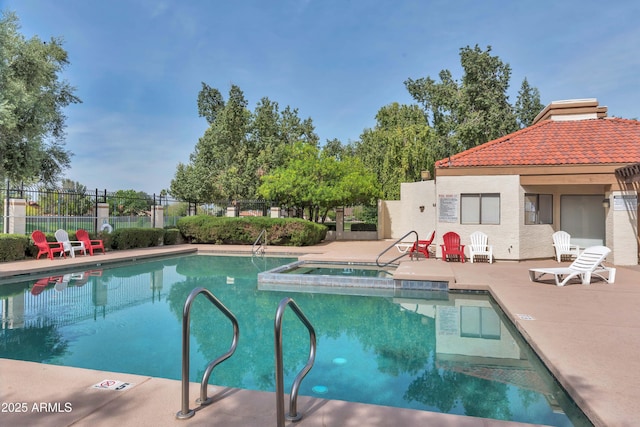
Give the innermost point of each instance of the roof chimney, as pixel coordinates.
(572, 109)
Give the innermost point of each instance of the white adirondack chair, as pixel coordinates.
(70, 246)
(563, 246)
(479, 247)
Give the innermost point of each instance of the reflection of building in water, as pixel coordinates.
(64, 299)
(472, 339)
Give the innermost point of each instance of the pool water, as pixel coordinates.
(454, 353)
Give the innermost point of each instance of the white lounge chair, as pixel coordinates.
(479, 247)
(588, 264)
(563, 246)
(70, 246)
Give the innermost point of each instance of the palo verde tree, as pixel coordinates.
(399, 147)
(475, 110)
(32, 98)
(314, 181)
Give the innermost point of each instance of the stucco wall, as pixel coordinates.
(399, 217)
(504, 237)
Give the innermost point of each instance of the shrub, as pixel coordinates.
(245, 230)
(13, 247)
(129, 238)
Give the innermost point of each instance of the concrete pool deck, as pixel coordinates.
(588, 336)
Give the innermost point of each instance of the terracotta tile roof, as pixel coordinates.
(552, 142)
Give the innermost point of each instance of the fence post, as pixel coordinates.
(102, 215)
(158, 216)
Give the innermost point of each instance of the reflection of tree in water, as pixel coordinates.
(446, 389)
(402, 340)
(33, 344)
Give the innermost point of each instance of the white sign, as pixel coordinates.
(448, 208)
(625, 202)
(113, 385)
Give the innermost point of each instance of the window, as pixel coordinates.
(538, 209)
(479, 322)
(480, 208)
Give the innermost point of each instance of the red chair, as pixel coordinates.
(452, 247)
(89, 244)
(45, 247)
(422, 246)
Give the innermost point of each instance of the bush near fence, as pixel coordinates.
(130, 238)
(13, 247)
(245, 230)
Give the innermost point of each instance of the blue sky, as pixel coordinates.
(138, 64)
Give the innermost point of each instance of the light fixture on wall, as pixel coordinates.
(421, 208)
(606, 203)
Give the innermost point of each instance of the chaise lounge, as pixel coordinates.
(586, 265)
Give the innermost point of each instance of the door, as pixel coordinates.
(583, 217)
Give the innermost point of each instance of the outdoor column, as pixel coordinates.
(157, 216)
(232, 211)
(339, 223)
(102, 216)
(17, 219)
(275, 212)
(622, 231)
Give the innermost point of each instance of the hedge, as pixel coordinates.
(245, 230)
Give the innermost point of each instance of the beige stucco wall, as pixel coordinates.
(511, 239)
(622, 230)
(504, 237)
(399, 217)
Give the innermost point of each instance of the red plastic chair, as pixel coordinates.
(422, 246)
(89, 244)
(45, 247)
(452, 247)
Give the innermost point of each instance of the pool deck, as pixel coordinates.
(588, 336)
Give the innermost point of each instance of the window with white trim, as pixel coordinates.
(480, 208)
(538, 209)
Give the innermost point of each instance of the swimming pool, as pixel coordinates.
(443, 352)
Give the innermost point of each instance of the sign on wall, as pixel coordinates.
(448, 208)
(625, 202)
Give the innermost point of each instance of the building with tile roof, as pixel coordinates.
(574, 169)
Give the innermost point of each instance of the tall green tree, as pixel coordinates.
(474, 110)
(528, 104)
(239, 146)
(315, 181)
(399, 147)
(32, 98)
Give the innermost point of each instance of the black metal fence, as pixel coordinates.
(51, 209)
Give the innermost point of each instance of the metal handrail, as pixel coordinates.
(293, 397)
(185, 412)
(391, 247)
(260, 250)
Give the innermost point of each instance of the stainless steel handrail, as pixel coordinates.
(186, 412)
(293, 397)
(391, 247)
(261, 248)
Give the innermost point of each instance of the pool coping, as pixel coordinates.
(561, 325)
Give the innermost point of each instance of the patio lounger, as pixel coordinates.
(586, 265)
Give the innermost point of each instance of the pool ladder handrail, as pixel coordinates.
(186, 412)
(262, 246)
(393, 245)
(293, 414)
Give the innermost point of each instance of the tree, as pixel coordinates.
(32, 99)
(528, 104)
(473, 111)
(316, 181)
(399, 147)
(130, 202)
(239, 147)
